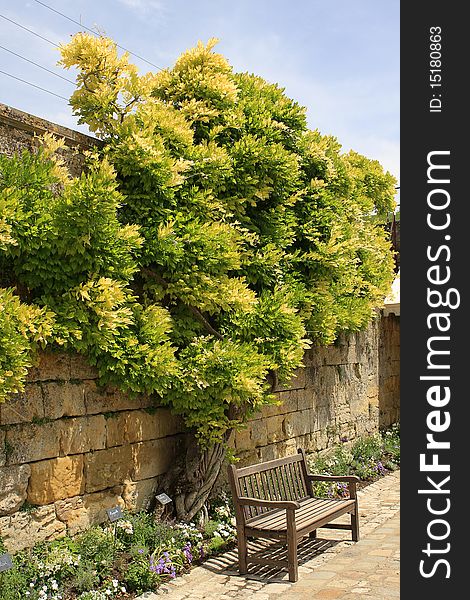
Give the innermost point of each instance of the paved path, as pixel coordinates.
(331, 566)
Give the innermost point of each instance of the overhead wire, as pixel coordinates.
(95, 33)
(29, 30)
(37, 64)
(32, 85)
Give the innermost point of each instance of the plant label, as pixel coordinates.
(164, 499)
(114, 514)
(5, 562)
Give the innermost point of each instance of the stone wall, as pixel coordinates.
(69, 449)
(73, 449)
(344, 391)
(20, 131)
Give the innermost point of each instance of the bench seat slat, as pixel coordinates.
(311, 509)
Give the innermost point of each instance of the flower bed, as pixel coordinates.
(117, 561)
(138, 553)
(369, 458)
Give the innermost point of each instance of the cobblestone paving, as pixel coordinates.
(331, 566)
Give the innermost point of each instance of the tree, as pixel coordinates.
(218, 237)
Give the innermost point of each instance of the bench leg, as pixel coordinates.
(355, 525)
(242, 553)
(292, 560)
(313, 534)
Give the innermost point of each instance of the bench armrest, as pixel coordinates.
(288, 504)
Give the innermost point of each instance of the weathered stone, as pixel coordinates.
(141, 425)
(298, 381)
(24, 529)
(105, 400)
(298, 423)
(81, 512)
(243, 438)
(307, 399)
(56, 479)
(23, 407)
(51, 366)
(139, 495)
(153, 458)
(82, 434)
(63, 399)
(274, 429)
(81, 369)
(259, 434)
(3, 454)
(13, 485)
(31, 442)
(107, 468)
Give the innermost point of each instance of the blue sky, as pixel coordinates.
(338, 58)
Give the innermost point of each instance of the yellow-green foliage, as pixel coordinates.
(209, 244)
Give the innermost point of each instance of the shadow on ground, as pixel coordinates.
(307, 550)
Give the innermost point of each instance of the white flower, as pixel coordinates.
(123, 589)
(115, 583)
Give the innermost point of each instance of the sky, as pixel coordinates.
(338, 58)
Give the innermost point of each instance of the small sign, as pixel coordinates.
(114, 514)
(5, 562)
(164, 499)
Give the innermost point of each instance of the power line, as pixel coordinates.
(94, 33)
(37, 65)
(29, 31)
(33, 85)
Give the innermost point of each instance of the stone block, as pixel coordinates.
(298, 423)
(315, 357)
(51, 366)
(140, 425)
(82, 434)
(153, 458)
(107, 468)
(3, 454)
(13, 486)
(258, 433)
(243, 439)
(336, 355)
(56, 479)
(274, 429)
(139, 495)
(24, 529)
(298, 381)
(24, 406)
(110, 399)
(81, 512)
(31, 442)
(80, 368)
(63, 399)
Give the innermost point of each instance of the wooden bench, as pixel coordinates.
(274, 500)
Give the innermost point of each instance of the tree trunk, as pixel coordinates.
(194, 477)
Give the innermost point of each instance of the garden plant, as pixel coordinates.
(209, 242)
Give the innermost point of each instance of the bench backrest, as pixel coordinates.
(281, 479)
